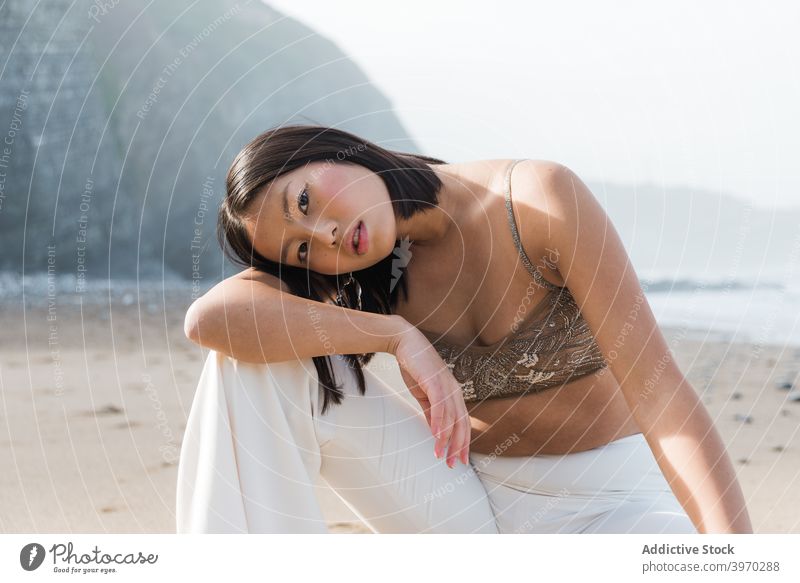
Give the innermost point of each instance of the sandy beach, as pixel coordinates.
(95, 397)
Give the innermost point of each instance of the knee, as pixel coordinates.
(263, 372)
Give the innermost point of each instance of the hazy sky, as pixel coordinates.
(703, 94)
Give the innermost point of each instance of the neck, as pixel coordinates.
(433, 225)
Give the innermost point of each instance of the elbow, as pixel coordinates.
(191, 323)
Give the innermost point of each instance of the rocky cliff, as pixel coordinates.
(119, 120)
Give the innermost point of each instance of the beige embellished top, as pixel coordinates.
(555, 344)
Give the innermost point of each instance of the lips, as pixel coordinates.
(354, 238)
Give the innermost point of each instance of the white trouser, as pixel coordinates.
(614, 488)
(255, 444)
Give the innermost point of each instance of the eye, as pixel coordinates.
(302, 250)
(302, 199)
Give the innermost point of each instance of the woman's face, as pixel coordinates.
(308, 217)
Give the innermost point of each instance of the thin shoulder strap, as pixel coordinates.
(537, 276)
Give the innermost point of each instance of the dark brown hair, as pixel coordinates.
(412, 187)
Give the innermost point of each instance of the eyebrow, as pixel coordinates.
(286, 219)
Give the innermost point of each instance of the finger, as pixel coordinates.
(454, 406)
(456, 442)
(446, 431)
(463, 453)
(463, 448)
(437, 409)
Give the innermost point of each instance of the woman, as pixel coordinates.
(519, 327)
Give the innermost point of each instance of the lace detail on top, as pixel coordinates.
(553, 347)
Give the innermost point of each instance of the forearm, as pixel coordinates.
(278, 326)
(694, 461)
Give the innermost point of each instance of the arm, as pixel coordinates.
(598, 272)
(252, 317)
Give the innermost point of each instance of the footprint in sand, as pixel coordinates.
(128, 425)
(107, 410)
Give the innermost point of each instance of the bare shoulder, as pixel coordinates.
(544, 199)
(537, 179)
(544, 192)
(538, 202)
(252, 274)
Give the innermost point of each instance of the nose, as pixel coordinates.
(327, 236)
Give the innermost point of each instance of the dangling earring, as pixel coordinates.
(340, 295)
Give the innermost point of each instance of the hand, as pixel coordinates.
(437, 391)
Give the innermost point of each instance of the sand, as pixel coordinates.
(95, 398)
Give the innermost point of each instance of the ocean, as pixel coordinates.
(743, 310)
(752, 311)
